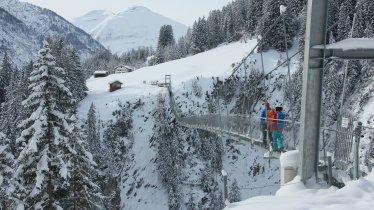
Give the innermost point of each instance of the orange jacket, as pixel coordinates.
(270, 115)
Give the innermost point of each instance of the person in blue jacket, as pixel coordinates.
(264, 124)
(277, 128)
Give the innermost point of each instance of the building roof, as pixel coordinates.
(100, 72)
(114, 81)
(123, 66)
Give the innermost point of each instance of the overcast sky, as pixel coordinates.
(184, 11)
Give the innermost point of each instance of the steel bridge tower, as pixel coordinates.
(316, 53)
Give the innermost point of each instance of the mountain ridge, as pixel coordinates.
(22, 42)
(134, 27)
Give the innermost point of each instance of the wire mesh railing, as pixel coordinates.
(245, 127)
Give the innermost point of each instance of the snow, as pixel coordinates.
(202, 67)
(213, 63)
(113, 81)
(351, 44)
(135, 27)
(224, 173)
(295, 195)
(290, 159)
(24, 26)
(282, 9)
(100, 72)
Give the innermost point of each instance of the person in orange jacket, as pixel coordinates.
(264, 123)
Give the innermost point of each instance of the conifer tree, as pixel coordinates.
(199, 39)
(76, 80)
(83, 192)
(254, 15)
(12, 107)
(345, 20)
(7, 201)
(214, 26)
(275, 38)
(169, 154)
(165, 41)
(93, 139)
(41, 172)
(235, 195)
(228, 24)
(5, 77)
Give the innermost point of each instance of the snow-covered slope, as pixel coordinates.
(239, 160)
(356, 195)
(137, 26)
(24, 26)
(255, 176)
(92, 19)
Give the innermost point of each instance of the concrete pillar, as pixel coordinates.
(288, 173)
(312, 88)
(289, 165)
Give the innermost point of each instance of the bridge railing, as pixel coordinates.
(340, 142)
(246, 127)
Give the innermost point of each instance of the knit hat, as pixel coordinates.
(267, 104)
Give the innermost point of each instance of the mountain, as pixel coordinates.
(137, 26)
(24, 27)
(92, 19)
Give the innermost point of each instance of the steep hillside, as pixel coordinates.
(15, 38)
(25, 26)
(142, 184)
(137, 26)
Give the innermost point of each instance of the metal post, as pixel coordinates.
(225, 191)
(356, 156)
(312, 88)
(329, 161)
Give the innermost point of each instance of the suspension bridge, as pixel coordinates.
(303, 134)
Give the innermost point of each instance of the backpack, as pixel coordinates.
(280, 122)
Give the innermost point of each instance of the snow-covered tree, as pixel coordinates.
(12, 107)
(7, 201)
(68, 59)
(199, 39)
(345, 20)
(166, 42)
(93, 139)
(254, 15)
(75, 77)
(275, 38)
(114, 139)
(234, 195)
(83, 192)
(41, 172)
(216, 35)
(5, 77)
(169, 153)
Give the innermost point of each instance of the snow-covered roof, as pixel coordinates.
(114, 81)
(122, 66)
(100, 72)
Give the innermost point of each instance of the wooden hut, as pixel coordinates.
(100, 74)
(114, 85)
(123, 69)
